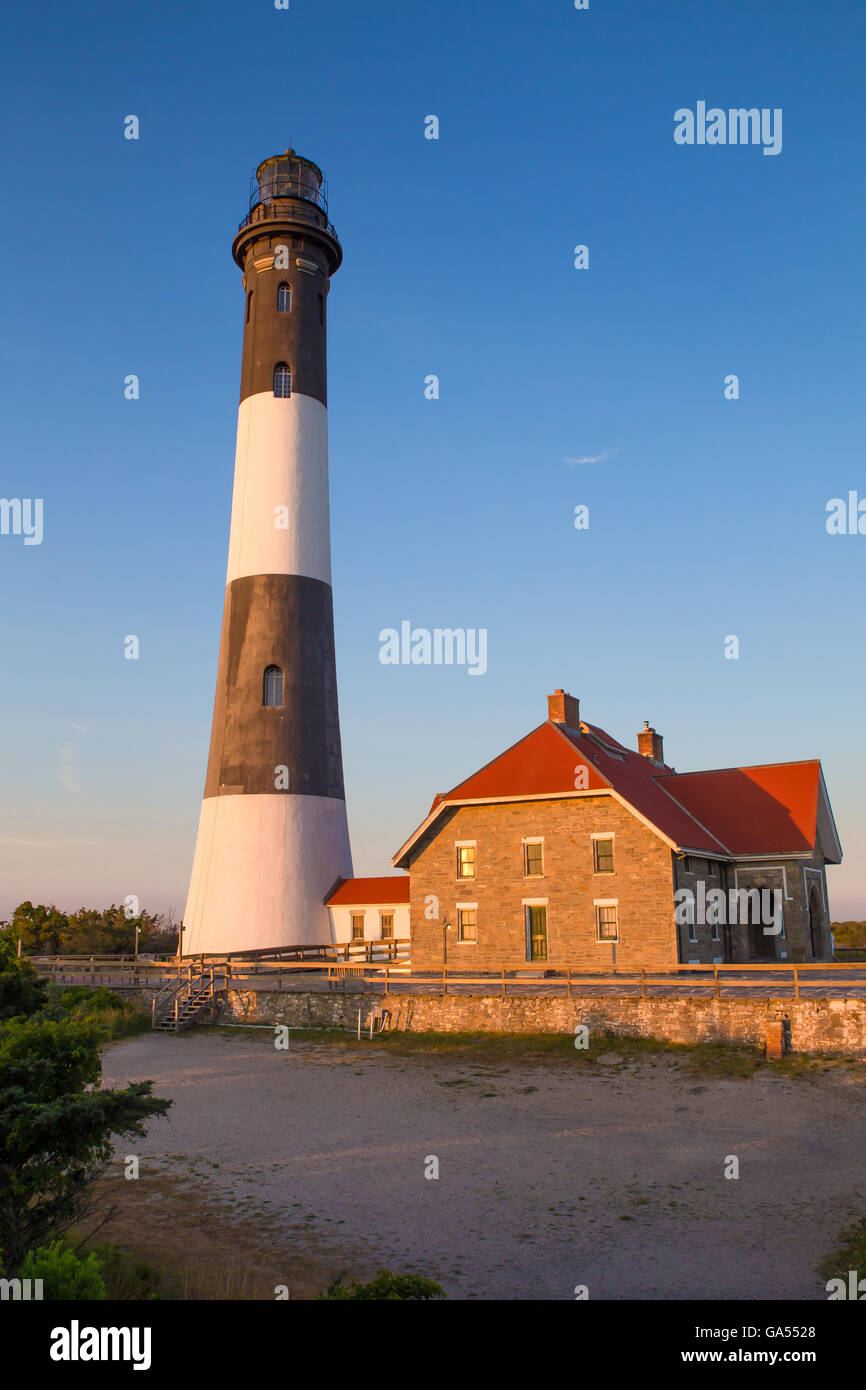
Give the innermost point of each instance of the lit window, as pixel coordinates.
(387, 921)
(465, 861)
(284, 299)
(606, 923)
(357, 926)
(467, 924)
(272, 687)
(536, 931)
(282, 380)
(603, 855)
(533, 858)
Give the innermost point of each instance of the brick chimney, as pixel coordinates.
(650, 744)
(564, 709)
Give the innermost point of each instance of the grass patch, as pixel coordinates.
(851, 1253)
(719, 1059)
(703, 1059)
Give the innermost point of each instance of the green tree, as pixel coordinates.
(41, 930)
(56, 1127)
(850, 934)
(22, 992)
(45, 931)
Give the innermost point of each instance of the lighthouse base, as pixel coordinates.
(263, 866)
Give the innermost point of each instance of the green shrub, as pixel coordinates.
(851, 1253)
(385, 1286)
(115, 1016)
(64, 1274)
(127, 1278)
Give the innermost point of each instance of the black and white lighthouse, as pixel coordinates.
(273, 834)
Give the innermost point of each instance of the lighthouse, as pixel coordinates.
(273, 835)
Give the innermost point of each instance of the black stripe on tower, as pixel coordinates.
(286, 621)
(296, 336)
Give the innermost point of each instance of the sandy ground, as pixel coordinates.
(551, 1175)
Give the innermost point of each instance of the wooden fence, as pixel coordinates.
(343, 967)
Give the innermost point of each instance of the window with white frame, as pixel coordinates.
(467, 922)
(602, 854)
(282, 380)
(357, 926)
(533, 858)
(689, 906)
(386, 923)
(272, 687)
(606, 924)
(466, 859)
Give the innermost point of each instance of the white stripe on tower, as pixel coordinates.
(281, 461)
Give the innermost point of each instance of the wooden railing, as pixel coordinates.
(127, 972)
(338, 965)
(764, 980)
(191, 984)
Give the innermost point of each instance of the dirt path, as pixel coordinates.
(307, 1162)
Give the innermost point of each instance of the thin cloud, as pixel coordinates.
(593, 458)
(67, 773)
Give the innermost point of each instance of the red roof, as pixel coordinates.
(752, 810)
(389, 890)
(541, 762)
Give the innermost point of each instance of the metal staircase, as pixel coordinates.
(189, 996)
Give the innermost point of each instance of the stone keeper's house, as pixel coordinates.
(572, 849)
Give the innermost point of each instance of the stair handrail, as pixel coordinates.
(189, 984)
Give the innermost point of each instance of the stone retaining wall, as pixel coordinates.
(815, 1025)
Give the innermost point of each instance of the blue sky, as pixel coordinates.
(707, 516)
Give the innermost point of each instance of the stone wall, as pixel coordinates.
(816, 1025)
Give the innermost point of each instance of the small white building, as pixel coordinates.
(370, 909)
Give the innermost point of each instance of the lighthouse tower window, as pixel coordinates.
(284, 299)
(282, 380)
(272, 687)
